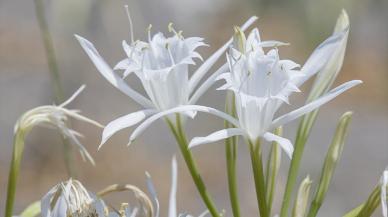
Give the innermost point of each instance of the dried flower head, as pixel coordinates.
(71, 199)
(56, 117)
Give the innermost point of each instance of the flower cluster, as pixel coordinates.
(258, 83)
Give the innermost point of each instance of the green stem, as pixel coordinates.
(190, 162)
(231, 151)
(17, 154)
(258, 175)
(231, 157)
(304, 130)
(314, 209)
(55, 77)
(272, 170)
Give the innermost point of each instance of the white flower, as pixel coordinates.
(162, 65)
(384, 185)
(71, 199)
(172, 208)
(56, 117)
(262, 82)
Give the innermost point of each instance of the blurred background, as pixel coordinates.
(25, 83)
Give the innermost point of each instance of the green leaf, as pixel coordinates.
(32, 210)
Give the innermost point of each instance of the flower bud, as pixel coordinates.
(302, 198)
(331, 160)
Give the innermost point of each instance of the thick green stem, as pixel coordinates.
(17, 154)
(258, 175)
(300, 141)
(190, 162)
(55, 77)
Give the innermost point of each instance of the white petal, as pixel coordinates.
(60, 208)
(134, 212)
(201, 71)
(123, 64)
(284, 143)
(204, 213)
(143, 126)
(110, 75)
(75, 94)
(271, 43)
(45, 205)
(172, 211)
(75, 115)
(151, 189)
(216, 136)
(384, 185)
(124, 122)
(321, 56)
(314, 104)
(208, 83)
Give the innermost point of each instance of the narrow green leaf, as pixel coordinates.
(32, 210)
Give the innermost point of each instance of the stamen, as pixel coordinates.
(171, 29)
(149, 32)
(170, 54)
(130, 23)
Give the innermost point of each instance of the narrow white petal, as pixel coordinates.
(204, 68)
(110, 75)
(272, 43)
(384, 185)
(75, 115)
(154, 195)
(207, 84)
(204, 213)
(143, 126)
(284, 143)
(321, 55)
(75, 94)
(314, 104)
(172, 210)
(216, 136)
(134, 212)
(123, 64)
(124, 122)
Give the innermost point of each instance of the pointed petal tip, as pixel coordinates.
(79, 38)
(101, 144)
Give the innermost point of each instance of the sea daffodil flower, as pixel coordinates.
(162, 65)
(262, 82)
